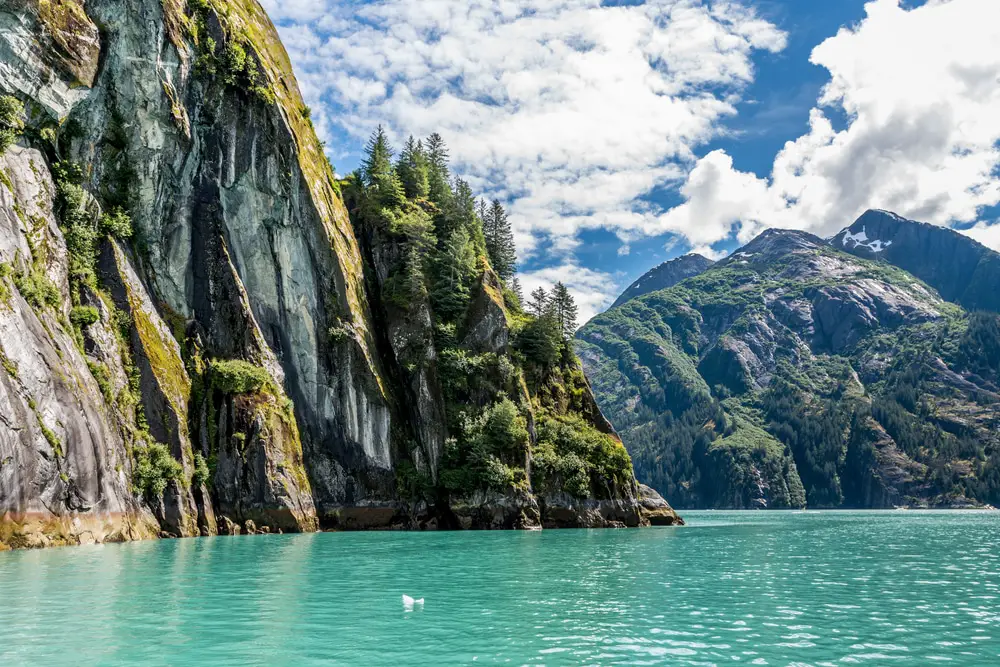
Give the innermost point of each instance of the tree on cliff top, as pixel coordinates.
(377, 171)
(499, 240)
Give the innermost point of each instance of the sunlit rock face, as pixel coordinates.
(224, 364)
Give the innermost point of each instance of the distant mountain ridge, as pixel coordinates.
(665, 275)
(800, 371)
(960, 268)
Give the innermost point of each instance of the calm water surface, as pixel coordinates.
(813, 588)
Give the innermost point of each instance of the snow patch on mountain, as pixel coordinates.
(861, 239)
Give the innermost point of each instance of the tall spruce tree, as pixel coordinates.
(500, 241)
(439, 187)
(463, 210)
(413, 170)
(539, 304)
(515, 287)
(454, 271)
(378, 175)
(564, 309)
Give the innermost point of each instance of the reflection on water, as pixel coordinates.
(776, 588)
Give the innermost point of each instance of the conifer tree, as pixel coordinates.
(413, 170)
(539, 304)
(464, 209)
(515, 287)
(564, 309)
(377, 172)
(439, 188)
(454, 270)
(500, 241)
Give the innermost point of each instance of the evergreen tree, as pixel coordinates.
(454, 271)
(500, 241)
(539, 304)
(413, 170)
(463, 210)
(439, 189)
(515, 286)
(377, 173)
(564, 309)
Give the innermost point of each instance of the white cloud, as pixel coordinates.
(921, 92)
(569, 110)
(986, 233)
(592, 290)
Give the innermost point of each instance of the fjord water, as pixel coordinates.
(775, 588)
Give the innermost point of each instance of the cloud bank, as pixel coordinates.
(573, 113)
(920, 91)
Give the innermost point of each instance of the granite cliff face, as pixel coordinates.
(191, 333)
(793, 373)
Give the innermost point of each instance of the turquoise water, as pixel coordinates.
(780, 588)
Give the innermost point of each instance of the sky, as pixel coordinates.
(623, 133)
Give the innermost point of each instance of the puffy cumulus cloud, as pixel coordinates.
(920, 90)
(569, 110)
(592, 290)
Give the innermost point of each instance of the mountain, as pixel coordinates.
(961, 269)
(665, 275)
(796, 374)
(197, 336)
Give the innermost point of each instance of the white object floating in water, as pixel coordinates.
(409, 603)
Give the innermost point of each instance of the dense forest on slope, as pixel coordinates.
(198, 337)
(793, 374)
(513, 396)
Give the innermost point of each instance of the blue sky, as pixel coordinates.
(624, 133)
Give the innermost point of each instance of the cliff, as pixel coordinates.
(194, 339)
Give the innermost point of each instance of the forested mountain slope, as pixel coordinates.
(197, 336)
(795, 374)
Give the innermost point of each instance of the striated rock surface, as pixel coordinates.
(194, 341)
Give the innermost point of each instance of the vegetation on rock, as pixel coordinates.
(500, 368)
(11, 121)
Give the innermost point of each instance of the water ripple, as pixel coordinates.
(809, 589)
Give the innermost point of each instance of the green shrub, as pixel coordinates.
(413, 484)
(153, 468)
(103, 377)
(489, 451)
(575, 477)
(11, 121)
(501, 430)
(339, 334)
(201, 473)
(84, 316)
(117, 224)
(5, 272)
(38, 290)
(497, 475)
(239, 377)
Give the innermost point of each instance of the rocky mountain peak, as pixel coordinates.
(665, 275)
(958, 267)
(772, 245)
